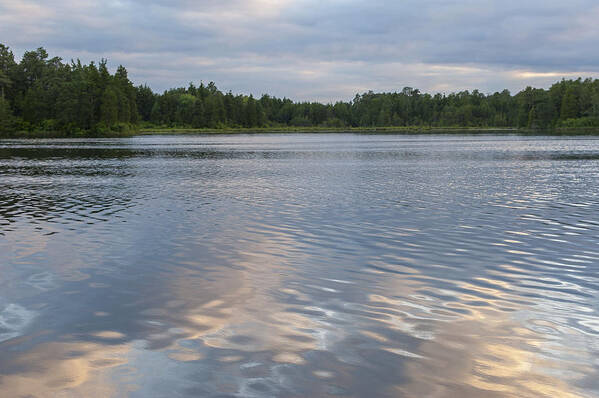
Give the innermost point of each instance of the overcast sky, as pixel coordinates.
(318, 49)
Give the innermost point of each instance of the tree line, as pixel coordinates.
(39, 93)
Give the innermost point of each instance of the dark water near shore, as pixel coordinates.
(300, 266)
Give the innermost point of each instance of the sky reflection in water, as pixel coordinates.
(299, 265)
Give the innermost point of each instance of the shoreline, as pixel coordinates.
(318, 130)
(375, 130)
(324, 130)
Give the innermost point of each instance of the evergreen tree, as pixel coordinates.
(569, 109)
(250, 113)
(109, 108)
(4, 83)
(7, 120)
(595, 105)
(198, 119)
(145, 101)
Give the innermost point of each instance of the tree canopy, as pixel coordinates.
(40, 93)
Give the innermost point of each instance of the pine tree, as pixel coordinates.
(4, 83)
(109, 108)
(6, 117)
(569, 108)
(250, 113)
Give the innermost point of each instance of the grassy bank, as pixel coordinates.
(60, 134)
(307, 130)
(322, 130)
(374, 130)
(119, 130)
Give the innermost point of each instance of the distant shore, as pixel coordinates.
(315, 130)
(42, 97)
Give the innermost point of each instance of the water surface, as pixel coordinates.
(314, 265)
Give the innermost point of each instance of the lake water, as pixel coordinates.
(300, 266)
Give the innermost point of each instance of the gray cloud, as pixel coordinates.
(323, 50)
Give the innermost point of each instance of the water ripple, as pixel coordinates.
(299, 265)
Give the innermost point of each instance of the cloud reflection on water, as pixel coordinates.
(220, 278)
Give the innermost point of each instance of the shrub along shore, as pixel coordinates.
(41, 134)
(374, 130)
(43, 97)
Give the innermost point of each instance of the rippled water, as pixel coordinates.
(300, 266)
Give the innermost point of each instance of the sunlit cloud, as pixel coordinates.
(552, 75)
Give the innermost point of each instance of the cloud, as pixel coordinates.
(323, 50)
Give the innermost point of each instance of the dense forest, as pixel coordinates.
(42, 94)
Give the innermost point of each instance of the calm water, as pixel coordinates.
(300, 266)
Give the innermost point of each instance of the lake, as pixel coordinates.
(300, 265)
